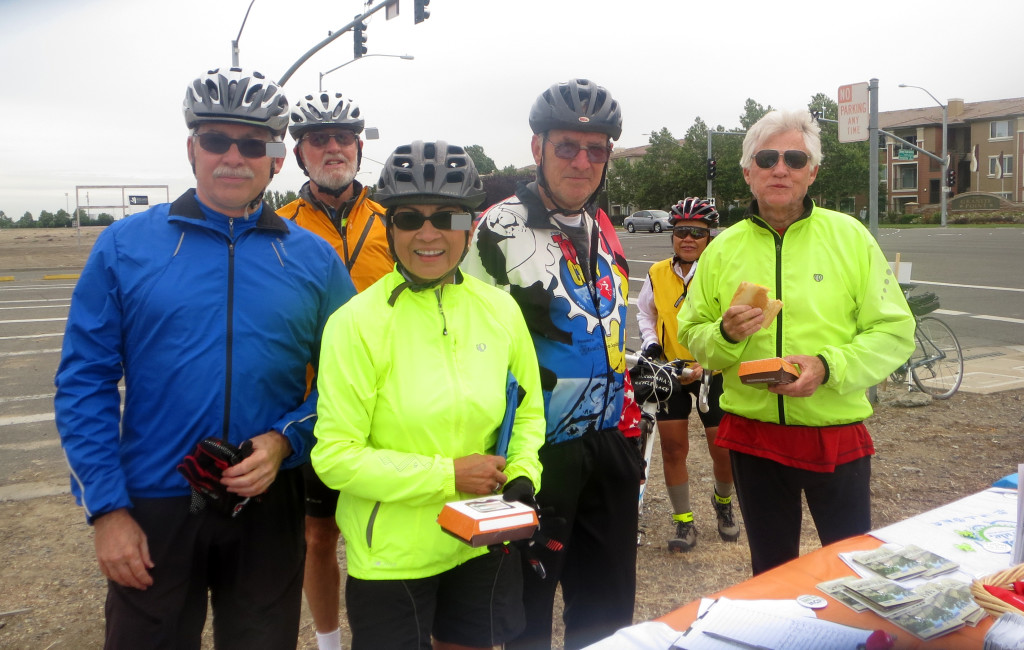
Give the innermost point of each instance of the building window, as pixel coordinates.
(901, 151)
(1007, 165)
(999, 130)
(904, 177)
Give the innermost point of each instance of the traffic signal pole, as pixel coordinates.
(319, 46)
(711, 164)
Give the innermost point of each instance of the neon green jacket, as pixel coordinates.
(404, 390)
(840, 301)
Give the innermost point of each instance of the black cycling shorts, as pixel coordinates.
(321, 501)
(679, 405)
(478, 603)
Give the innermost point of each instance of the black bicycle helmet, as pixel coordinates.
(577, 105)
(236, 95)
(323, 110)
(693, 209)
(435, 173)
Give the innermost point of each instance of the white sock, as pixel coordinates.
(329, 641)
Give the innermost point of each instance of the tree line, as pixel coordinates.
(671, 169)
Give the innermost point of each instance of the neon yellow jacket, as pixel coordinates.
(840, 301)
(404, 390)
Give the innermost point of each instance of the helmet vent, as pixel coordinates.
(428, 172)
(455, 177)
(429, 150)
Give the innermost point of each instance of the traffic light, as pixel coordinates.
(420, 12)
(358, 39)
(951, 177)
(712, 169)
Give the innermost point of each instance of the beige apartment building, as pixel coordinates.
(985, 146)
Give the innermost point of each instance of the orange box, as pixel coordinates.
(488, 520)
(767, 372)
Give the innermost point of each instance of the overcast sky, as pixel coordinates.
(93, 88)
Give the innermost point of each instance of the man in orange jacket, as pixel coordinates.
(334, 205)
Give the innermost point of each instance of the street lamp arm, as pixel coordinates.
(234, 43)
(944, 160)
(407, 57)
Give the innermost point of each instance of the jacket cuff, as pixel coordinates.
(721, 330)
(828, 373)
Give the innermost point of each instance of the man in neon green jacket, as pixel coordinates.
(412, 391)
(844, 322)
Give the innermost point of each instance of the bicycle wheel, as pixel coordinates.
(941, 369)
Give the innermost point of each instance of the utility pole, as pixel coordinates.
(943, 186)
(712, 164)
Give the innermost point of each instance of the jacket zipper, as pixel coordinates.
(230, 328)
(440, 310)
(778, 317)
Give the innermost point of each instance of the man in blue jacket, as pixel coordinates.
(210, 309)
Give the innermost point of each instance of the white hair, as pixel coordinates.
(776, 122)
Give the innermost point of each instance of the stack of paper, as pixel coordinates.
(729, 624)
(1018, 538)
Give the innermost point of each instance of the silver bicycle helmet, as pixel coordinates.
(435, 173)
(236, 95)
(325, 109)
(577, 105)
(693, 209)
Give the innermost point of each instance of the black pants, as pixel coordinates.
(250, 565)
(592, 484)
(770, 501)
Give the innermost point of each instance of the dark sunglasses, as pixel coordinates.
(410, 220)
(218, 143)
(321, 140)
(693, 231)
(596, 153)
(768, 158)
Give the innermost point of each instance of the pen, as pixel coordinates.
(742, 644)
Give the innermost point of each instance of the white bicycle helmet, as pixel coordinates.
(325, 109)
(236, 95)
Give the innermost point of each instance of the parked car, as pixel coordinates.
(650, 220)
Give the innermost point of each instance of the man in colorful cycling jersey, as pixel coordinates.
(558, 255)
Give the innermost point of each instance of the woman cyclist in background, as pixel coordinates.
(659, 302)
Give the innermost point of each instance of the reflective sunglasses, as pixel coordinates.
(321, 140)
(768, 158)
(693, 231)
(596, 153)
(218, 143)
(411, 220)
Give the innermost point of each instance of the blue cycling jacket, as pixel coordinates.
(211, 321)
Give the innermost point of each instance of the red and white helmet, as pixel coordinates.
(693, 209)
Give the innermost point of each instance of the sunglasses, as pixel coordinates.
(410, 220)
(218, 143)
(596, 153)
(768, 158)
(693, 231)
(321, 140)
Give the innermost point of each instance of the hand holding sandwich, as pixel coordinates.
(749, 311)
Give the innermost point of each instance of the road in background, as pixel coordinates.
(978, 275)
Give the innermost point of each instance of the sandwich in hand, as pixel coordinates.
(755, 295)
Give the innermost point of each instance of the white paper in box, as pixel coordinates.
(488, 520)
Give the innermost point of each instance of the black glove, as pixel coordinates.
(653, 351)
(203, 469)
(520, 489)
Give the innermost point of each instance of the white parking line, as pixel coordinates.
(27, 353)
(26, 419)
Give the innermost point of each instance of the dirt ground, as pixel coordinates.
(51, 592)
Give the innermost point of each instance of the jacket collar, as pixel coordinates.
(187, 206)
(752, 211)
(536, 211)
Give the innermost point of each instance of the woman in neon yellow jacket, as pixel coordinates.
(412, 391)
